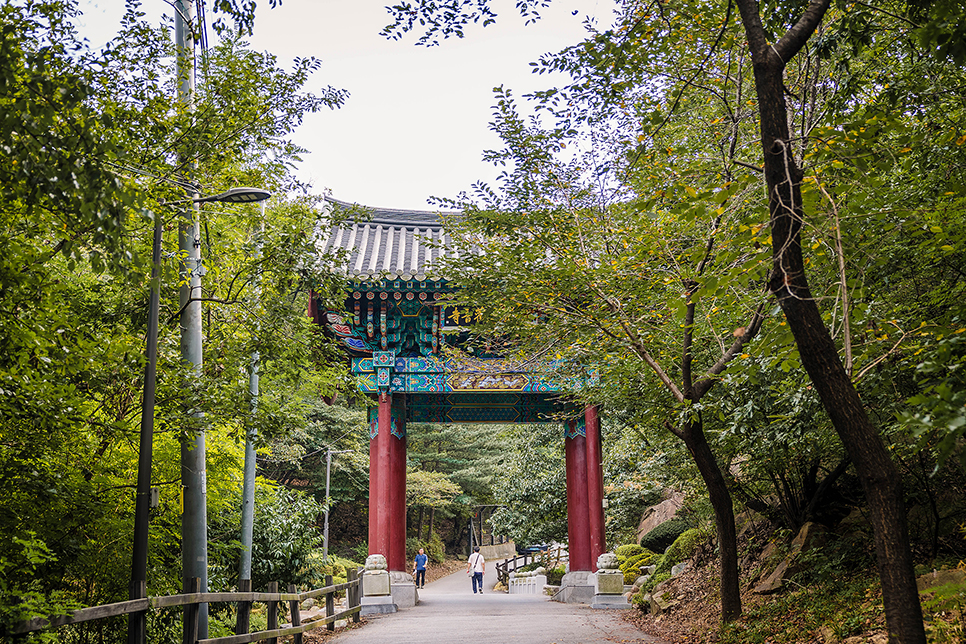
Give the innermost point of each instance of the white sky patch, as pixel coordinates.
(416, 123)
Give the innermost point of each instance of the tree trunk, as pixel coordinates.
(429, 533)
(724, 516)
(879, 476)
(419, 524)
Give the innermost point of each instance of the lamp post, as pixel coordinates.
(142, 505)
(248, 478)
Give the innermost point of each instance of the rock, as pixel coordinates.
(308, 604)
(658, 514)
(746, 522)
(856, 521)
(811, 535)
(828, 635)
(775, 581)
(648, 570)
(677, 569)
(938, 578)
(769, 551)
(875, 638)
(640, 581)
(660, 603)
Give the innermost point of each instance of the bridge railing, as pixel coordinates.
(550, 558)
(243, 599)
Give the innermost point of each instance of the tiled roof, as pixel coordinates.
(384, 243)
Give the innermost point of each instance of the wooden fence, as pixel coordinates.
(243, 598)
(550, 558)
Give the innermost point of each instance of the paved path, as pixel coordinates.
(449, 613)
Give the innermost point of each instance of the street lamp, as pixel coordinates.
(139, 564)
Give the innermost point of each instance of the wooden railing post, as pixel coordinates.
(354, 592)
(243, 622)
(191, 614)
(296, 614)
(272, 612)
(329, 604)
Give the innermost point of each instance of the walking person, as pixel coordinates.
(475, 567)
(419, 568)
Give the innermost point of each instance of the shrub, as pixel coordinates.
(631, 567)
(555, 576)
(628, 550)
(412, 547)
(655, 579)
(664, 535)
(682, 548)
(361, 550)
(638, 601)
(434, 548)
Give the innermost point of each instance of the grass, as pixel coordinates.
(842, 608)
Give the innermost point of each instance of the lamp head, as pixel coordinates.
(238, 195)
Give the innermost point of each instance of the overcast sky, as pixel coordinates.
(416, 122)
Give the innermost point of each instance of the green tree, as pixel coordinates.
(87, 138)
(774, 42)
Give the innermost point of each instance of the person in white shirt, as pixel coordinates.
(475, 567)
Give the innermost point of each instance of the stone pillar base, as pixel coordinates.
(610, 601)
(403, 589)
(377, 605)
(576, 588)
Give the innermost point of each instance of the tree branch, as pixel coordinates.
(796, 37)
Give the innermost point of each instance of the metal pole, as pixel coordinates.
(194, 519)
(328, 500)
(248, 482)
(137, 622)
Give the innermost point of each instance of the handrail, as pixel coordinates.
(190, 599)
(503, 568)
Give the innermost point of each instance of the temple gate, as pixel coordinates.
(395, 327)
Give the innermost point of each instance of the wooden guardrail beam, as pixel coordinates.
(244, 598)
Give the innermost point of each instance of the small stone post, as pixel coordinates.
(376, 591)
(608, 583)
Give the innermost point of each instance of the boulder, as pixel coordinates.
(658, 514)
(677, 569)
(938, 578)
(775, 581)
(308, 604)
(810, 536)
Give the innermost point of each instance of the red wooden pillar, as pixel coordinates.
(380, 479)
(595, 486)
(578, 533)
(396, 556)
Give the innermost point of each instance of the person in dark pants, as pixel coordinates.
(475, 567)
(419, 569)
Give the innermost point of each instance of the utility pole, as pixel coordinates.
(194, 518)
(325, 530)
